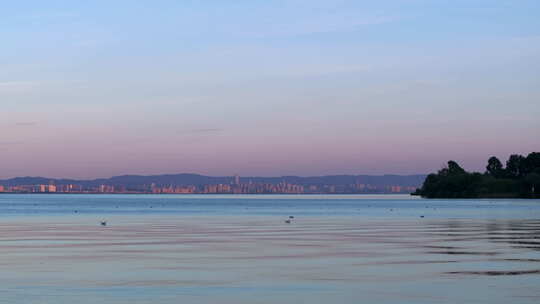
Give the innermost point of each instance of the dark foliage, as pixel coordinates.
(520, 178)
(495, 167)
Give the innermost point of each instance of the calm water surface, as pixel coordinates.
(238, 249)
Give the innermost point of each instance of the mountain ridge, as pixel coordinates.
(199, 179)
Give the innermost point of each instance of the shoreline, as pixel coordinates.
(226, 194)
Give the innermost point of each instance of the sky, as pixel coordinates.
(301, 87)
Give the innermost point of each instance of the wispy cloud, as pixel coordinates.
(208, 130)
(10, 143)
(332, 23)
(202, 132)
(48, 15)
(319, 24)
(26, 123)
(17, 84)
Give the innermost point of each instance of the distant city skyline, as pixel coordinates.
(200, 184)
(265, 88)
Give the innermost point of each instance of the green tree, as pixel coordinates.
(495, 167)
(451, 182)
(532, 163)
(454, 168)
(532, 181)
(515, 166)
(521, 178)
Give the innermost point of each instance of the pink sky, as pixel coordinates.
(301, 88)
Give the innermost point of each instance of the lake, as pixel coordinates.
(239, 249)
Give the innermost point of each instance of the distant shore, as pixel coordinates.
(227, 194)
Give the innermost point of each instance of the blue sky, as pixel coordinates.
(99, 88)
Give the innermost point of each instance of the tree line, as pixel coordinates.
(520, 178)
